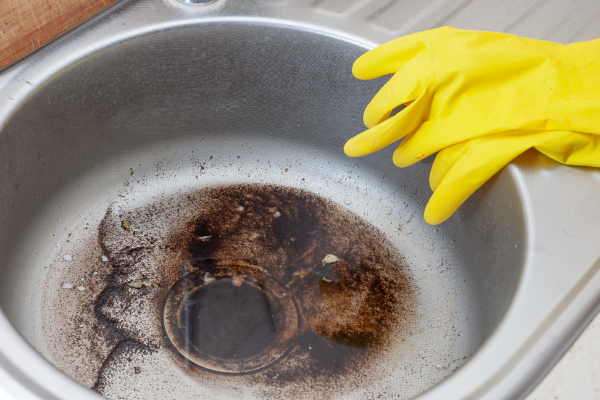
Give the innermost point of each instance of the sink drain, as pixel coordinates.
(233, 319)
(197, 2)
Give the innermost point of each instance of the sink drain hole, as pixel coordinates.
(197, 2)
(238, 320)
(228, 321)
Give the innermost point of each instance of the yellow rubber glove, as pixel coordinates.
(480, 99)
(461, 169)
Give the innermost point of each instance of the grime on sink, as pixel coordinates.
(242, 290)
(275, 287)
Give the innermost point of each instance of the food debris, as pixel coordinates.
(125, 225)
(137, 370)
(137, 233)
(80, 288)
(272, 209)
(237, 281)
(204, 237)
(326, 280)
(240, 208)
(276, 214)
(208, 278)
(330, 259)
(104, 259)
(95, 272)
(67, 286)
(137, 284)
(68, 257)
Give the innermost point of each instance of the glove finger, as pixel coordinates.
(390, 130)
(391, 56)
(429, 139)
(465, 167)
(408, 84)
(433, 136)
(445, 160)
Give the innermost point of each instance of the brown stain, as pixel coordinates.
(344, 323)
(365, 305)
(350, 311)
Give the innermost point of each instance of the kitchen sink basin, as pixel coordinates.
(132, 146)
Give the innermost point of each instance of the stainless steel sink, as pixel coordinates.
(112, 136)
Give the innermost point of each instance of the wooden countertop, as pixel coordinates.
(26, 25)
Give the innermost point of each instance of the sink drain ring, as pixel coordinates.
(234, 319)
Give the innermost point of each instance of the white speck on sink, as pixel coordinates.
(330, 259)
